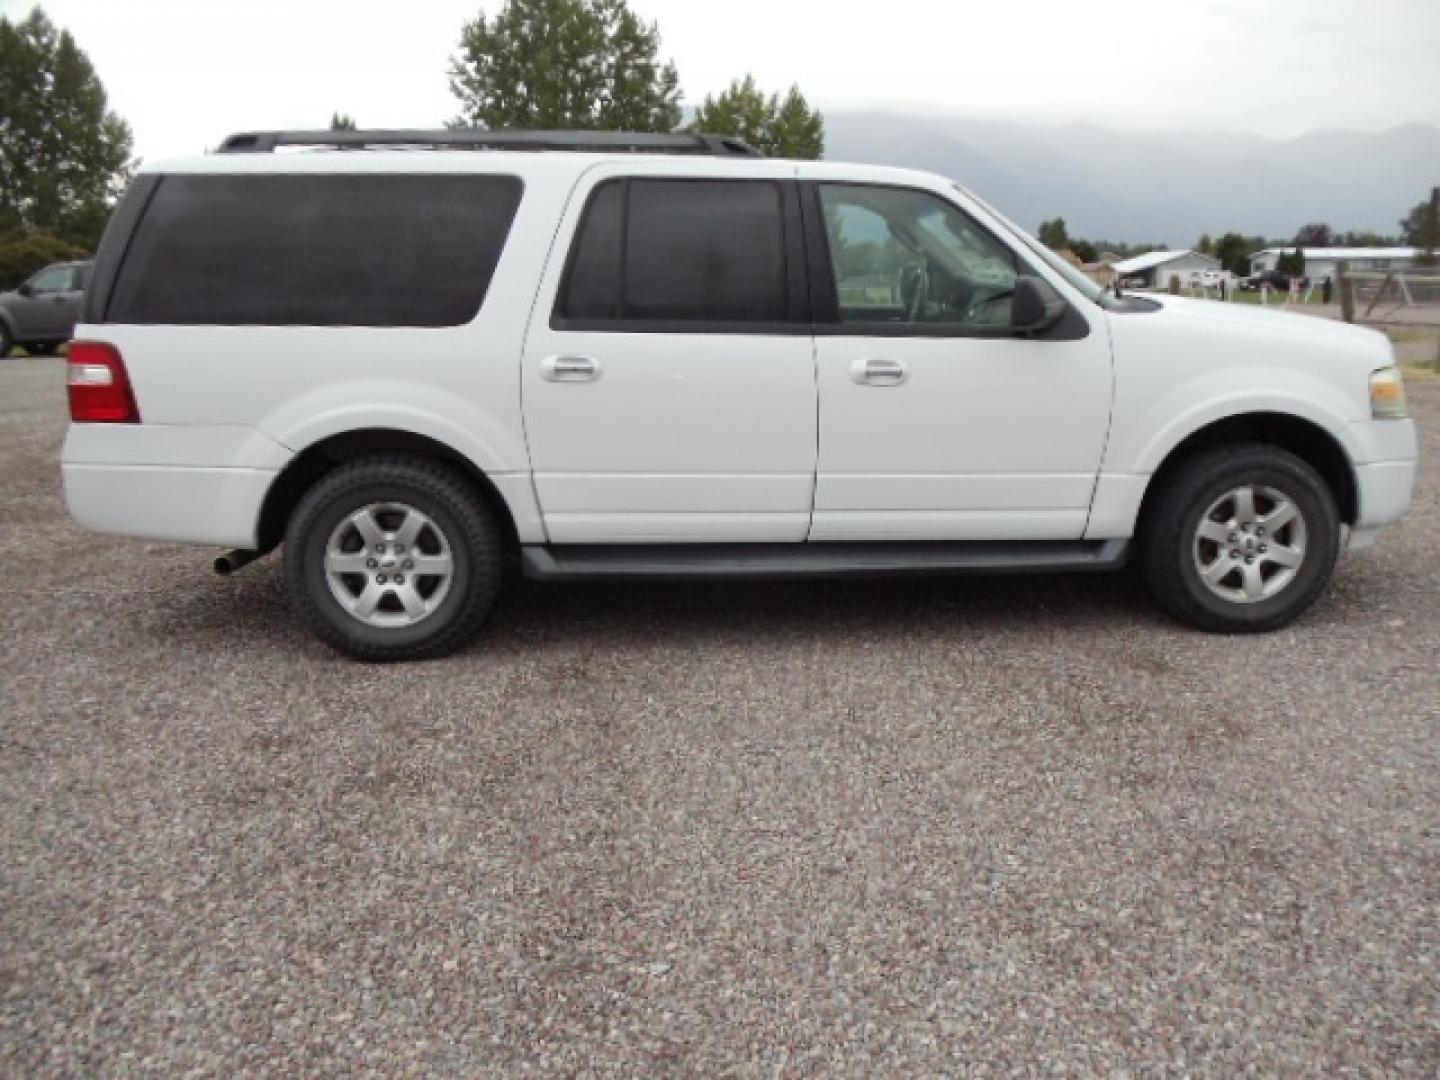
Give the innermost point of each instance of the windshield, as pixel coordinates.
(1079, 281)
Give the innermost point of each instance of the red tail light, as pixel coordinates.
(99, 385)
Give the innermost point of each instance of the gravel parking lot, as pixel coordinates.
(975, 826)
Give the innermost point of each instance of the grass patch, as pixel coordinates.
(1278, 299)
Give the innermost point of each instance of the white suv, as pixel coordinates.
(418, 359)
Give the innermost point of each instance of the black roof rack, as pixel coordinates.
(598, 142)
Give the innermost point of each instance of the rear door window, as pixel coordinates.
(683, 254)
(315, 250)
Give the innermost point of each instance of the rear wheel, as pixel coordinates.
(393, 558)
(1243, 539)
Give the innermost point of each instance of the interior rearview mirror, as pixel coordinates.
(1035, 307)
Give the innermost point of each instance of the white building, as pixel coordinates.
(1320, 262)
(1154, 269)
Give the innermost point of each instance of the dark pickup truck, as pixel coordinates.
(40, 315)
(1273, 279)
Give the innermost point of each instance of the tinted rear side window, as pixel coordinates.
(704, 251)
(315, 250)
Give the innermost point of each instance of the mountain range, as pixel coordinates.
(1164, 187)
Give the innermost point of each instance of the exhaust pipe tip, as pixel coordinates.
(232, 561)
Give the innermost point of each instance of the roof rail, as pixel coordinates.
(600, 142)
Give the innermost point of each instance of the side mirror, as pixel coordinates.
(1035, 307)
(25, 289)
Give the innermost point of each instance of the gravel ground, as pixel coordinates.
(973, 827)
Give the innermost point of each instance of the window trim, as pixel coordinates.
(796, 268)
(115, 245)
(828, 321)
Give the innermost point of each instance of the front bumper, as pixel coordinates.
(1385, 470)
(1384, 477)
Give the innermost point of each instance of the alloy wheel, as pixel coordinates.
(389, 565)
(1250, 544)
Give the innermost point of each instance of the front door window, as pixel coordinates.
(905, 257)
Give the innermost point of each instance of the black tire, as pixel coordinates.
(41, 348)
(459, 513)
(1168, 538)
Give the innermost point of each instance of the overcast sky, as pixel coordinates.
(187, 72)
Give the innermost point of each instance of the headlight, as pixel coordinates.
(1387, 395)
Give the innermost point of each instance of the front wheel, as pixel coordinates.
(393, 558)
(1244, 538)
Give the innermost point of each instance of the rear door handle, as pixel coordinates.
(877, 371)
(569, 369)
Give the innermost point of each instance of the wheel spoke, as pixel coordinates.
(432, 565)
(1281, 555)
(1216, 571)
(1217, 531)
(1254, 582)
(368, 528)
(340, 562)
(1244, 504)
(411, 600)
(410, 527)
(1277, 519)
(366, 603)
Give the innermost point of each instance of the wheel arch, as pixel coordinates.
(320, 457)
(1304, 438)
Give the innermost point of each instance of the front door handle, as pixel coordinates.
(569, 369)
(877, 371)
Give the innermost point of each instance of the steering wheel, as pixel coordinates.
(919, 288)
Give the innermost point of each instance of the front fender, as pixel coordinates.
(1144, 435)
(1152, 419)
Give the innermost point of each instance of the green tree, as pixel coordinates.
(778, 129)
(584, 64)
(1205, 245)
(1365, 238)
(1421, 227)
(1053, 235)
(1315, 234)
(64, 156)
(1234, 251)
(799, 130)
(1291, 263)
(342, 122)
(22, 253)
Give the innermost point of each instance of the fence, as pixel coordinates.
(1390, 292)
